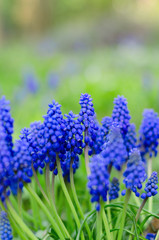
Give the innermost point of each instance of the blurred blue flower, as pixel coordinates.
(31, 83)
(135, 173)
(151, 186)
(98, 180)
(149, 133)
(5, 227)
(53, 80)
(150, 236)
(130, 139)
(114, 189)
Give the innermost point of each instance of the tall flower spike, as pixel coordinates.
(6, 121)
(114, 189)
(5, 228)
(98, 180)
(121, 114)
(6, 170)
(21, 164)
(74, 143)
(114, 150)
(130, 139)
(36, 144)
(135, 173)
(54, 133)
(151, 186)
(149, 133)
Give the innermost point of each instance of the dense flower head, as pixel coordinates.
(22, 162)
(73, 141)
(114, 189)
(135, 173)
(106, 124)
(54, 133)
(121, 114)
(151, 186)
(36, 143)
(114, 150)
(98, 180)
(150, 236)
(86, 114)
(130, 139)
(5, 227)
(6, 170)
(149, 132)
(6, 120)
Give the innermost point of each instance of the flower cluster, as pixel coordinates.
(114, 150)
(151, 186)
(114, 189)
(74, 143)
(130, 139)
(5, 228)
(149, 133)
(135, 173)
(98, 180)
(121, 114)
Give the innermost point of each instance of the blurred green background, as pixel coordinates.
(59, 49)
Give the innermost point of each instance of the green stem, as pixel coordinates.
(106, 224)
(138, 215)
(16, 228)
(76, 199)
(67, 194)
(45, 210)
(127, 196)
(20, 201)
(34, 210)
(39, 185)
(109, 214)
(52, 188)
(99, 225)
(117, 225)
(19, 221)
(149, 171)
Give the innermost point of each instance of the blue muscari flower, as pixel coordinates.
(121, 114)
(5, 227)
(150, 236)
(6, 121)
(6, 171)
(151, 186)
(98, 180)
(135, 173)
(36, 144)
(22, 161)
(130, 139)
(149, 133)
(106, 124)
(54, 134)
(87, 118)
(74, 143)
(114, 189)
(114, 151)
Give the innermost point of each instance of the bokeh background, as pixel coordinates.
(59, 49)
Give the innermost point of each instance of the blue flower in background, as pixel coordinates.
(150, 236)
(151, 186)
(5, 227)
(98, 180)
(135, 173)
(114, 151)
(74, 143)
(149, 133)
(6, 121)
(114, 189)
(53, 80)
(130, 139)
(31, 83)
(121, 114)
